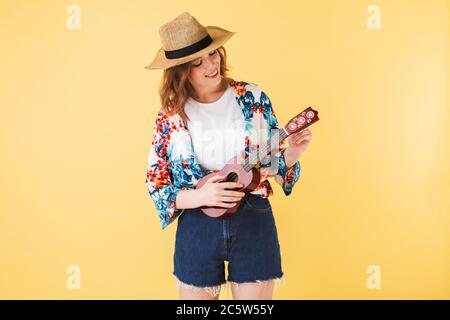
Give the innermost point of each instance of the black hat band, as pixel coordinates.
(193, 48)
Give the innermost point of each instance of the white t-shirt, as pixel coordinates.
(217, 129)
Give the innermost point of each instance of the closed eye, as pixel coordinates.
(211, 54)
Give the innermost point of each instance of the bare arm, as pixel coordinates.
(298, 142)
(187, 199)
(290, 157)
(213, 193)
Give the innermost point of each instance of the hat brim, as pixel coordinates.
(219, 37)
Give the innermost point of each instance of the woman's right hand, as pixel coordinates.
(213, 193)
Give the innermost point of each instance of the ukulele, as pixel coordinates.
(242, 168)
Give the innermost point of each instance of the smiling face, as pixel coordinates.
(205, 74)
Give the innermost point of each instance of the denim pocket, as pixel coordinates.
(257, 203)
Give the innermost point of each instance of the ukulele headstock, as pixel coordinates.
(301, 121)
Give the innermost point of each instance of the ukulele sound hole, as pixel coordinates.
(232, 177)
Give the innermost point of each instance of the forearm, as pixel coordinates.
(290, 158)
(187, 199)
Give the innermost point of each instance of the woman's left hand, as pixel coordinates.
(299, 141)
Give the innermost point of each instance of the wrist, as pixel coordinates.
(290, 157)
(197, 198)
(188, 199)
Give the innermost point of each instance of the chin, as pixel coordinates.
(215, 81)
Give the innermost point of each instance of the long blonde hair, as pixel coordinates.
(175, 87)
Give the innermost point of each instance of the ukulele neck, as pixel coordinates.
(270, 145)
(301, 121)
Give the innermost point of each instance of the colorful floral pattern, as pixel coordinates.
(172, 165)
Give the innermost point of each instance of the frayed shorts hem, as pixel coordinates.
(216, 289)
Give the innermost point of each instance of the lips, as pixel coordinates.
(212, 75)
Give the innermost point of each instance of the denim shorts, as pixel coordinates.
(248, 240)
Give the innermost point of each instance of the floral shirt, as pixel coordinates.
(172, 165)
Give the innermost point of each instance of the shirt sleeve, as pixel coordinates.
(286, 177)
(159, 176)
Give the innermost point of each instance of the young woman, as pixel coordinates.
(207, 118)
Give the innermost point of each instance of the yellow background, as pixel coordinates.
(78, 107)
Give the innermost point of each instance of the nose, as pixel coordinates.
(210, 65)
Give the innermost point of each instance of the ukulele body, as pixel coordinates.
(233, 171)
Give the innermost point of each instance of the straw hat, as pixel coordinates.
(184, 39)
